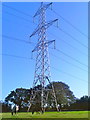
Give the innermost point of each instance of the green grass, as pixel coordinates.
(47, 115)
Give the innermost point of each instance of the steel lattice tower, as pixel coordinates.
(42, 68)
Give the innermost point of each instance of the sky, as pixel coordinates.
(68, 61)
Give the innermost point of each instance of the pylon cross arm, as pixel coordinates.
(46, 43)
(46, 25)
(40, 9)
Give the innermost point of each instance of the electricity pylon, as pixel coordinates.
(42, 68)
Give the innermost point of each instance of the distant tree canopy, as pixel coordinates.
(81, 104)
(21, 96)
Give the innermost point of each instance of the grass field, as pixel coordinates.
(48, 115)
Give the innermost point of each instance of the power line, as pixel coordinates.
(69, 44)
(73, 26)
(15, 39)
(17, 16)
(20, 40)
(72, 37)
(58, 27)
(69, 74)
(68, 62)
(54, 12)
(51, 34)
(21, 57)
(15, 56)
(54, 35)
(25, 19)
(17, 10)
(71, 57)
(54, 68)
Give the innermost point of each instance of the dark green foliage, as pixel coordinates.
(63, 93)
(81, 104)
(21, 96)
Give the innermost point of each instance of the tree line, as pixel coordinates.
(65, 99)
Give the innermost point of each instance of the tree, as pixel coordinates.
(81, 104)
(63, 93)
(19, 97)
